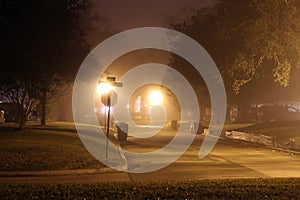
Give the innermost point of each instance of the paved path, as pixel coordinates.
(229, 159)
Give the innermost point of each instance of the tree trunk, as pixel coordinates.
(21, 119)
(21, 123)
(44, 102)
(243, 113)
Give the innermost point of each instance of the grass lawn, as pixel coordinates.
(203, 189)
(39, 149)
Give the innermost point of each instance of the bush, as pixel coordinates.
(202, 189)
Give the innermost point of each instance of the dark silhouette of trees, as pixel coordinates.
(254, 43)
(48, 87)
(19, 94)
(42, 45)
(270, 39)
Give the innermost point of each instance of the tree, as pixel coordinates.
(24, 96)
(245, 36)
(20, 95)
(48, 88)
(271, 38)
(42, 39)
(251, 42)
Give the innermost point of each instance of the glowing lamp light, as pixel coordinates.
(155, 98)
(103, 88)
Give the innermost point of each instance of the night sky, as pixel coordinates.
(136, 13)
(128, 14)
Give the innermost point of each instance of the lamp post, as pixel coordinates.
(108, 122)
(105, 89)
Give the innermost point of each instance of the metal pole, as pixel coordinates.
(105, 115)
(107, 126)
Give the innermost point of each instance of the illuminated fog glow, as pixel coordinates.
(155, 98)
(103, 88)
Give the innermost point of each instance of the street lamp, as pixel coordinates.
(105, 89)
(155, 98)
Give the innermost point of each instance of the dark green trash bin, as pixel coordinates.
(174, 124)
(122, 131)
(196, 127)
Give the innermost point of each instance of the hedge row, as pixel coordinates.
(202, 189)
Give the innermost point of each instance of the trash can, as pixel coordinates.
(122, 131)
(196, 127)
(174, 124)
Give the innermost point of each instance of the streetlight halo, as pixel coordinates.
(155, 98)
(104, 88)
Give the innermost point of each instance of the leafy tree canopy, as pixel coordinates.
(40, 39)
(249, 39)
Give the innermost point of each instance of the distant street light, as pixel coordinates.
(105, 89)
(155, 98)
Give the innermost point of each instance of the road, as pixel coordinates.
(229, 159)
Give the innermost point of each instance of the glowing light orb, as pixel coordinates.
(104, 88)
(155, 98)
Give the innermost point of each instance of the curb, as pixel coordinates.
(284, 150)
(57, 172)
(122, 155)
